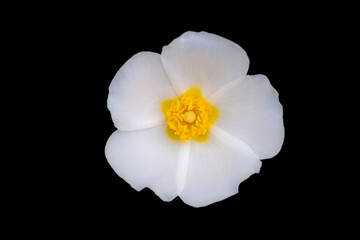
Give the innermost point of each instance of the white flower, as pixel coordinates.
(190, 122)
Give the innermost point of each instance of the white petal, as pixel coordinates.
(217, 167)
(137, 92)
(182, 166)
(145, 158)
(203, 60)
(249, 109)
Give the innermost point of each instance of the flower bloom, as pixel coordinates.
(190, 122)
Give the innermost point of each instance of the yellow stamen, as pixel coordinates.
(189, 116)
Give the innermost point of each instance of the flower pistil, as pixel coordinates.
(189, 116)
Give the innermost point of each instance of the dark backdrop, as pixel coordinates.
(76, 191)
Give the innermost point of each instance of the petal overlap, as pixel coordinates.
(250, 110)
(216, 169)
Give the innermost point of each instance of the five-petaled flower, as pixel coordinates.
(190, 122)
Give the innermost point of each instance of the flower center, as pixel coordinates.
(189, 116)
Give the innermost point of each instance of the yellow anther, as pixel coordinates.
(189, 116)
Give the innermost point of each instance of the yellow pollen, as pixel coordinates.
(189, 116)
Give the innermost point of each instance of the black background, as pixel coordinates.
(79, 50)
